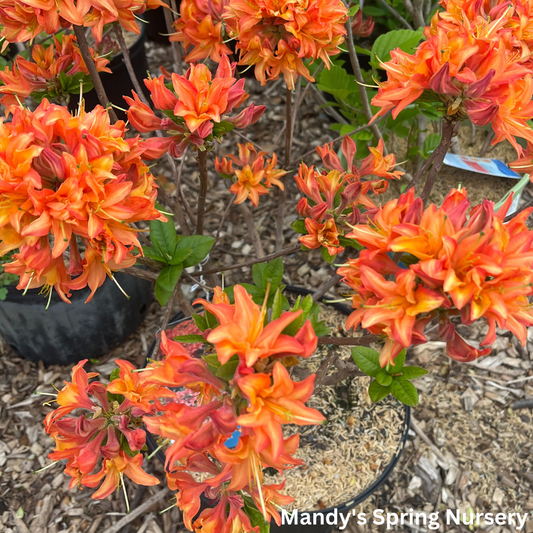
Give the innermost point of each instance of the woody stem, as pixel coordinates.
(449, 130)
(175, 46)
(288, 145)
(202, 166)
(129, 67)
(93, 72)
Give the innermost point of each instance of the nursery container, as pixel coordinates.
(67, 333)
(156, 29)
(118, 84)
(338, 509)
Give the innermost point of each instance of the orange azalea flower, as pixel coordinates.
(242, 331)
(277, 36)
(25, 77)
(254, 178)
(325, 235)
(75, 178)
(113, 471)
(273, 402)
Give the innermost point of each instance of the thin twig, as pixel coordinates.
(395, 13)
(197, 282)
(185, 306)
(359, 78)
(178, 209)
(341, 137)
(328, 109)
(141, 273)
(142, 509)
(176, 50)
(222, 220)
(202, 166)
(281, 193)
(247, 139)
(364, 340)
(252, 230)
(285, 251)
(129, 67)
(449, 130)
(93, 72)
(317, 295)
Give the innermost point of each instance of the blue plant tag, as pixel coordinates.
(233, 440)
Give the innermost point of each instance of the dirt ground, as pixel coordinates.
(468, 449)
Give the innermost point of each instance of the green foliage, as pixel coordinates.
(6, 279)
(255, 515)
(406, 40)
(393, 379)
(175, 252)
(431, 142)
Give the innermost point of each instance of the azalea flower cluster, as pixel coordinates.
(51, 72)
(275, 37)
(240, 382)
(23, 20)
(334, 195)
(67, 181)
(105, 429)
(197, 109)
(458, 262)
(200, 26)
(255, 175)
(476, 61)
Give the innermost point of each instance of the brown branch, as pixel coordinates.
(395, 14)
(141, 273)
(525, 206)
(285, 251)
(176, 50)
(365, 340)
(449, 130)
(359, 78)
(129, 67)
(252, 230)
(178, 210)
(331, 282)
(280, 192)
(341, 137)
(202, 166)
(93, 72)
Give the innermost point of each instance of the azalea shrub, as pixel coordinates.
(240, 386)
(78, 203)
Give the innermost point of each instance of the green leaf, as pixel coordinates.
(413, 372)
(153, 253)
(163, 235)
(362, 51)
(212, 361)
(210, 319)
(299, 226)
(257, 274)
(255, 515)
(377, 392)
(115, 374)
(367, 360)
(325, 255)
(63, 80)
(200, 322)
(383, 378)
(353, 10)
(399, 361)
(404, 391)
(350, 242)
(180, 255)
(200, 244)
(273, 273)
(3, 293)
(277, 306)
(406, 40)
(431, 142)
(166, 281)
(371, 11)
(190, 338)
(320, 328)
(337, 82)
(227, 371)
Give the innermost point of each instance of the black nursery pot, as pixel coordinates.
(118, 84)
(157, 27)
(67, 333)
(322, 517)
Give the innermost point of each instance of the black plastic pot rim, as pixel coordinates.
(347, 506)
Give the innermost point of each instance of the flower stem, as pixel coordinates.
(93, 72)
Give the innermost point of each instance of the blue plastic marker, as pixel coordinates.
(234, 439)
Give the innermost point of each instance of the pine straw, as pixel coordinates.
(347, 455)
